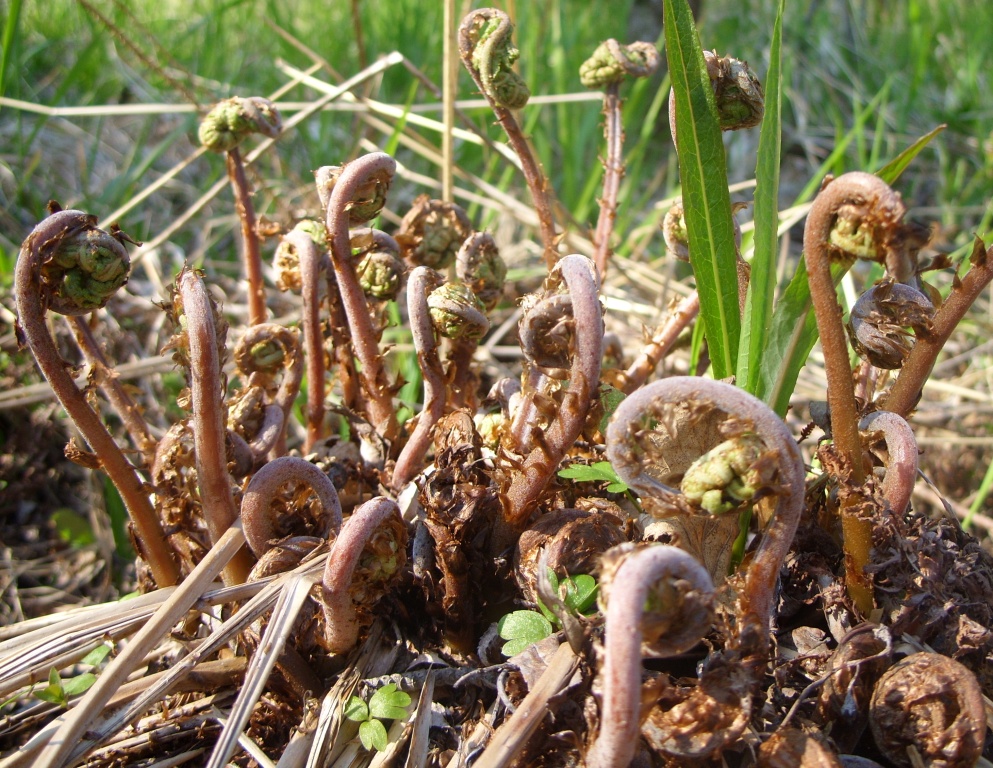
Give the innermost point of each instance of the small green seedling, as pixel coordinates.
(387, 703)
(600, 472)
(597, 472)
(59, 691)
(523, 628)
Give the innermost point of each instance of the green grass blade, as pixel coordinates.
(7, 43)
(703, 174)
(794, 328)
(892, 170)
(762, 285)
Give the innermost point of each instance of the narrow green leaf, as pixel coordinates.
(703, 174)
(794, 328)
(97, 655)
(892, 170)
(762, 285)
(372, 734)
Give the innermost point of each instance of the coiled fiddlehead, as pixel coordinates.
(356, 194)
(484, 46)
(223, 130)
(492, 57)
(70, 266)
(606, 69)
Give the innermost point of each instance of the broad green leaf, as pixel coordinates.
(79, 684)
(53, 693)
(762, 284)
(521, 629)
(387, 703)
(794, 328)
(357, 710)
(703, 175)
(372, 734)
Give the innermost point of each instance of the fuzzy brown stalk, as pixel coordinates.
(878, 209)
(487, 53)
(580, 278)
(633, 416)
(256, 516)
(421, 282)
(125, 407)
(661, 343)
(686, 591)
(373, 170)
(38, 290)
(208, 421)
(906, 391)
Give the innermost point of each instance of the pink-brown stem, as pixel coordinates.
(420, 283)
(632, 417)
(661, 343)
(125, 407)
(34, 297)
(256, 516)
(339, 608)
(312, 261)
(249, 236)
(906, 391)
(208, 422)
(901, 464)
(375, 168)
(637, 576)
(580, 278)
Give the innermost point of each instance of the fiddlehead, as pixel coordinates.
(489, 55)
(856, 214)
(484, 46)
(260, 494)
(305, 247)
(368, 554)
(663, 600)
(206, 390)
(70, 266)
(432, 232)
(606, 69)
(422, 280)
(356, 194)
(579, 276)
(233, 120)
(224, 128)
